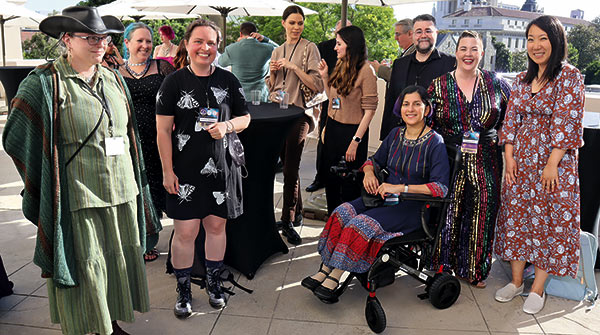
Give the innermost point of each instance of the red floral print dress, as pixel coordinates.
(535, 226)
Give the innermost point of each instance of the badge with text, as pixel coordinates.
(470, 142)
(206, 117)
(114, 146)
(336, 103)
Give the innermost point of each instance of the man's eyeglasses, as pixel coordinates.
(94, 39)
(420, 32)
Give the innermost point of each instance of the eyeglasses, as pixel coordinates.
(94, 39)
(420, 32)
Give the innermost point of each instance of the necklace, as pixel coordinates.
(137, 74)
(166, 52)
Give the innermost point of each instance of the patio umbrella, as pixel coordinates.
(10, 11)
(222, 7)
(123, 11)
(345, 4)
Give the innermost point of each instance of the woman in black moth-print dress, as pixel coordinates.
(196, 107)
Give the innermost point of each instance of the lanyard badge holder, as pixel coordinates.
(470, 142)
(206, 116)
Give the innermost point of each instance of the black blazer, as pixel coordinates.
(439, 63)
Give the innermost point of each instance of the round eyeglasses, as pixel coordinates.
(94, 39)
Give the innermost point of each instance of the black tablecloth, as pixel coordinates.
(11, 77)
(589, 180)
(253, 237)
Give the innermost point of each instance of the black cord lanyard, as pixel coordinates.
(469, 104)
(207, 82)
(412, 152)
(289, 60)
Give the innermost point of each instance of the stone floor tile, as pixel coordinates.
(163, 322)
(32, 311)
(292, 327)
(505, 317)
(266, 286)
(420, 331)
(563, 316)
(7, 303)
(26, 330)
(235, 324)
(27, 279)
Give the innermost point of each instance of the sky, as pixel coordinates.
(552, 7)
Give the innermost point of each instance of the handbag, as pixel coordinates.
(583, 286)
(307, 93)
(374, 200)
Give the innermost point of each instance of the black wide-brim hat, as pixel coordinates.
(80, 19)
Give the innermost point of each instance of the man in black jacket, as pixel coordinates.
(419, 68)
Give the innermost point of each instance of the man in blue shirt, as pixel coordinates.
(249, 59)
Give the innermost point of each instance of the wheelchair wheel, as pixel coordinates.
(375, 315)
(444, 290)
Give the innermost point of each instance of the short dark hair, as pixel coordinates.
(248, 28)
(424, 17)
(293, 9)
(412, 89)
(468, 34)
(558, 39)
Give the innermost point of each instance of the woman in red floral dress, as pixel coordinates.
(539, 214)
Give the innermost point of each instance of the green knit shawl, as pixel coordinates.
(31, 139)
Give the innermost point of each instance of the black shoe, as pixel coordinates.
(311, 283)
(298, 219)
(214, 288)
(327, 295)
(288, 231)
(183, 306)
(315, 186)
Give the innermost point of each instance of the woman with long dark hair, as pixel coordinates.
(293, 64)
(352, 92)
(539, 215)
(415, 157)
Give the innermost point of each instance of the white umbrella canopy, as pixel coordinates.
(123, 11)
(9, 11)
(221, 7)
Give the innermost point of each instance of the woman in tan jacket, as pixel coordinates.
(294, 62)
(352, 92)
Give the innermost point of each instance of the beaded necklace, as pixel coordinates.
(137, 74)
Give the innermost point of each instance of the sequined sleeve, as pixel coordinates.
(512, 120)
(566, 127)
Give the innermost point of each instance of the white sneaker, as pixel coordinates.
(508, 292)
(534, 303)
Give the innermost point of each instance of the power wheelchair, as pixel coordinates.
(411, 253)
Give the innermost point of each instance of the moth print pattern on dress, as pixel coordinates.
(210, 169)
(219, 93)
(220, 197)
(187, 101)
(185, 191)
(242, 93)
(182, 140)
(158, 97)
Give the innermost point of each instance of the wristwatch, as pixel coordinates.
(356, 139)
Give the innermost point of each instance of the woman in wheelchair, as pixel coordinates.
(416, 161)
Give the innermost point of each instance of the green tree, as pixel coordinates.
(503, 56)
(376, 22)
(40, 46)
(592, 73)
(518, 61)
(586, 39)
(573, 56)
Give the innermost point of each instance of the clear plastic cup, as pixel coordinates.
(255, 95)
(284, 100)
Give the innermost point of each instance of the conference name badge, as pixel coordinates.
(115, 146)
(206, 118)
(470, 142)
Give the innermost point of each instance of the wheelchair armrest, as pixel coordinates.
(436, 201)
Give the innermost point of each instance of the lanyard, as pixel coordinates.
(103, 102)
(289, 60)
(411, 153)
(207, 83)
(469, 105)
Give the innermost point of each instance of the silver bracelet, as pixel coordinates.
(229, 126)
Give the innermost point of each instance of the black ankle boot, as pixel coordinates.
(183, 306)
(288, 231)
(214, 288)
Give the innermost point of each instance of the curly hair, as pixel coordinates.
(167, 31)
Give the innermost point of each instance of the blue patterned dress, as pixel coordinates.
(354, 234)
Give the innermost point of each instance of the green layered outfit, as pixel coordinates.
(92, 215)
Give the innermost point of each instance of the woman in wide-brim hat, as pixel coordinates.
(71, 133)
